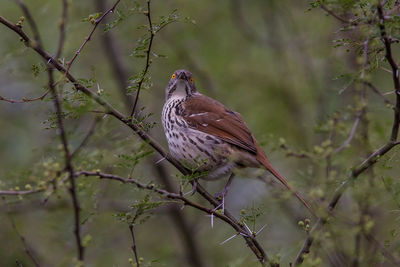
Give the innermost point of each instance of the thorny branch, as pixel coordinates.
(251, 241)
(373, 158)
(148, 62)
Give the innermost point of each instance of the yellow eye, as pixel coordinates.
(191, 80)
(173, 76)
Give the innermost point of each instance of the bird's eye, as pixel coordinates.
(173, 76)
(191, 80)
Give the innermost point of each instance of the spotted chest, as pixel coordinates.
(190, 146)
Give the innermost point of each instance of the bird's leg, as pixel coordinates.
(194, 185)
(221, 195)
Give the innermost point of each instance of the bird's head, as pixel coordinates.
(181, 85)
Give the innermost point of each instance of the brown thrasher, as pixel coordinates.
(207, 136)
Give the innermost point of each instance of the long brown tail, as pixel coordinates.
(265, 162)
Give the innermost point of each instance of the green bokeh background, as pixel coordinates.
(273, 62)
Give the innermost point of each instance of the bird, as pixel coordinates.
(206, 136)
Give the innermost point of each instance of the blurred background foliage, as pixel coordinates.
(286, 67)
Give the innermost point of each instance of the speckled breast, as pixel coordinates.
(193, 148)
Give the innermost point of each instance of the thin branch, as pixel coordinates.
(134, 245)
(25, 100)
(383, 250)
(87, 39)
(87, 137)
(27, 249)
(62, 23)
(20, 192)
(362, 111)
(333, 14)
(376, 90)
(251, 242)
(148, 62)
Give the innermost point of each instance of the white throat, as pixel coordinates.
(180, 91)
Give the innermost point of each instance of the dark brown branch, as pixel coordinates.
(68, 167)
(148, 51)
(25, 100)
(395, 73)
(251, 242)
(134, 249)
(87, 39)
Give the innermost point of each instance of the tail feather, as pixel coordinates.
(264, 161)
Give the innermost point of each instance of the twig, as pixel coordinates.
(376, 90)
(87, 39)
(333, 14)
(87, 137)
(114, 56)
(362, 111)
(25, 100)
(383, 250)
(251, 242)
(134, 245)
(20, 192)
(146, 68)
(27, 249)
(62, 23)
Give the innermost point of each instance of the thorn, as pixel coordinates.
(158, 161)
(223, 242)
(259, 231)
(187, 193)
(248, 229)
(212, 219)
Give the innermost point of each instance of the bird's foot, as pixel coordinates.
(194, 185)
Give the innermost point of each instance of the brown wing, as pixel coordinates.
(209, 116)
